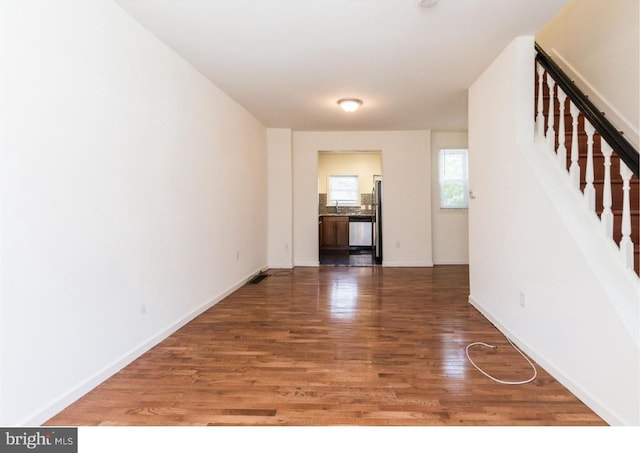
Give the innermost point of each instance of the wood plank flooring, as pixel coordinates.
(333, 346)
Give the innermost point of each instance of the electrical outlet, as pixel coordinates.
(286, 247)
(237, 256)
(143, 309)
(397, 244)
(523, 303)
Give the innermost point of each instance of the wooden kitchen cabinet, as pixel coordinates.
(334, 232)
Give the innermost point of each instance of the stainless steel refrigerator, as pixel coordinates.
(377, 221)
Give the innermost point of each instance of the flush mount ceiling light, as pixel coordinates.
(350, 105)
(427, 3)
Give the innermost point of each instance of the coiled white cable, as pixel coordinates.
(535, 371)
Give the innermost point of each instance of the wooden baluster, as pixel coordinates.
(626, 245)
(551, 134)
(540, 114)
(589, 189)
(562, 149)
(574, 168)
(606, 218)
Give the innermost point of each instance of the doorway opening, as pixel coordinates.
(349, 208)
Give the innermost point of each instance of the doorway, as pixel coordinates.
(346, 208)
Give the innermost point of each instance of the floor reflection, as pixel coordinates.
(454, 358)
(343, 298)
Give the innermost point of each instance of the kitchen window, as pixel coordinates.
(344, 190)
(454, 181)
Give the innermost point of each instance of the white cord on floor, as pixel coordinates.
(535, 371)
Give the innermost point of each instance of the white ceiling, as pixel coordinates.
(289, 61)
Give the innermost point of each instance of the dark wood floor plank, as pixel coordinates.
(333, 346)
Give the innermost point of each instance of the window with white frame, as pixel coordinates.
(343, 190)
(453, 177)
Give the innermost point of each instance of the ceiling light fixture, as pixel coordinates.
(350, 105)
(427, 3)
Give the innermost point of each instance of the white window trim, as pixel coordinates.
(465, 179)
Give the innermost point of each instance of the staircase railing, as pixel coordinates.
(614, 209)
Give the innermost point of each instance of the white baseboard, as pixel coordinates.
(406, 263)
(551, 368)
(281, 266)
(450, 262)
(51, 409)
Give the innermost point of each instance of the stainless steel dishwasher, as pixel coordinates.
(360, 229)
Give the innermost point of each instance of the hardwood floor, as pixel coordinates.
(333, 346)
(347, 257)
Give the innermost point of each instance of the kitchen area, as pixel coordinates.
(349, 208)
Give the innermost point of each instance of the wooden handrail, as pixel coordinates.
(607, 131)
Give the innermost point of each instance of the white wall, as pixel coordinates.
(406, 169)
(450, 226)
(580, 320)
(362, 164)
(280, 198)
(597, 43)
(133, 198)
